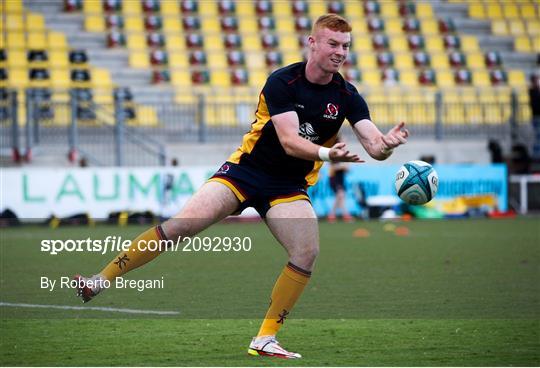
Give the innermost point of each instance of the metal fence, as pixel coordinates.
(109, 128)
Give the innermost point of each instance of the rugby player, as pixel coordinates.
(300, 111)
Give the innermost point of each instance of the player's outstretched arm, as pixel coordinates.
(378, 145)
(287, 126)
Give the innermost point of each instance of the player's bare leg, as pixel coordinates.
(295, 226)
(211, 203)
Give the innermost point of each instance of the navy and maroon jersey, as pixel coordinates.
(321, 110)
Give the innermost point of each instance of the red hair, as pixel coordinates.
(333, 22)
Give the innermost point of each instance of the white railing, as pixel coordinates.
(522, 181)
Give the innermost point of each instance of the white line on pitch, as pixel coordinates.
(102, 309)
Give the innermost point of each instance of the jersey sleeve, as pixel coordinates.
(357, 108)
(278, 96)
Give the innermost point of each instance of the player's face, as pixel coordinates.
(329, 49)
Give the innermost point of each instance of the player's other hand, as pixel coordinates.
(340, 153)
(396, 136)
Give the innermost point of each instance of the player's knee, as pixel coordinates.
(175, 227)
(308, 255)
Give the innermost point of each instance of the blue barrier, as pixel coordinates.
(454, 180)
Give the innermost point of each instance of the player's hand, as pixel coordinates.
(340, 153)
(396, 136)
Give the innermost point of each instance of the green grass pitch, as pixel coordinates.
(450, 293)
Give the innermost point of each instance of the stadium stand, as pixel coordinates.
(39, 58)
(403, 53)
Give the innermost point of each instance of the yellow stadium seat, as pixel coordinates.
(213, 40)
(56, 40)
(536, 44)
(245, 9)
(533, 27)
(480, 78)
(499, 28)
(290, 57)
(516, 78)
(288, 43)
(171, 25)
(94, 6)
(16, 58)
(146, 116)
(445, 78)
(220, 111)
(247, 25)
(14, 22)
(409, 78)
(510, 11)
(371, 78)
(255, 60)
(13, 6)
(367, 61)
(132, 8)
(217, 60)
(284, 25)
(316, 8)
(282, 9)
(389, 9)
(469, 43)
(451, 96)
(434, 44)
(178, 59)
(133, 24)
(138, 59)
(35, 22)
(16, 40)
(429, 27)
(251, 42)
(136, 41)
(424, 10)
(181, 97)
(175, 42)
(453, 113)
(37, 41)
(60, 78)
(257, 78)
(104, 97)
(439, 61)
(403, 61)
(487, 96)
(220, 78)
(180, 78)
(169, 9)
(516, 27)
(398, 44)
(361, 43)
(208, 8)
(494, 11)
(522, 44)
(210, 25)
(527, 11)
(94, 23)
(354, 9)
(18, 78)
(101, 78)
(476, 10)
(475, 60)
